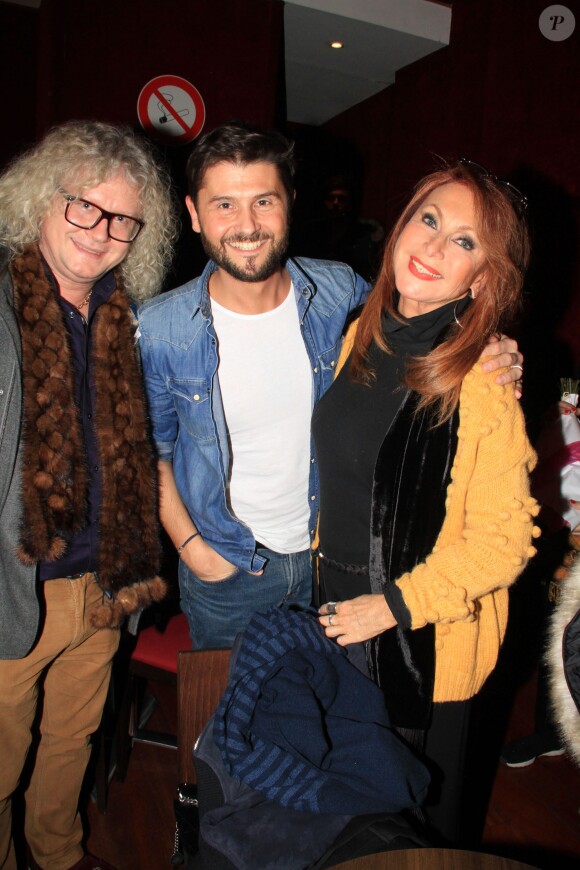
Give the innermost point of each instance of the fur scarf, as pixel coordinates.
(563, 660)
(54, 473)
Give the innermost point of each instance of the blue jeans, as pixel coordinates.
(218, 611)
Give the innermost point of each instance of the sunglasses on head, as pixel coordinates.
(515, 196)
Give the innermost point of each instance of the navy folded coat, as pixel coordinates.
(302, 725)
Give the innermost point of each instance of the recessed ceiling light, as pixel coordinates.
(337, 44)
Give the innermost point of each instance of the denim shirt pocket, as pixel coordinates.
(192, 399)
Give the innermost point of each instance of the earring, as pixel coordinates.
(455, 315)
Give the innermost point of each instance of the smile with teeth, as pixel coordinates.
(247, 245)
(422, 271)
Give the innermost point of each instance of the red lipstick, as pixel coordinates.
(428, 275)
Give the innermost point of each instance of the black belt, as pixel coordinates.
(343, 567)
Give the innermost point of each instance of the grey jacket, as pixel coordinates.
(19, 608)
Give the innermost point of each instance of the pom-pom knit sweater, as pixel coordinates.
(484, 542)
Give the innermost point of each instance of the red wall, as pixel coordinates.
(18, 62)
(82, 59)
(501, 93)
(98, 56)
(507, 97)
(94, 58)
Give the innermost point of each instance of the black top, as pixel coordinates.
(81, 554)
(349, 426)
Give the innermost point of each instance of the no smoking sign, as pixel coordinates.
(171, 109)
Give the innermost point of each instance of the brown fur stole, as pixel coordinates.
(54, 475)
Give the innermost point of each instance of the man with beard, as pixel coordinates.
(234, 362)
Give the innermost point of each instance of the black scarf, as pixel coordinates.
(412, 474)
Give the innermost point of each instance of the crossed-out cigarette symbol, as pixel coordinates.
(163, 119)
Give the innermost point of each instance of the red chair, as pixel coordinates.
(154, 658)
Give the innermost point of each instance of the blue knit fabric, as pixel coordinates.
(300, 724)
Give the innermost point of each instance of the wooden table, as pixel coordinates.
(433, 859)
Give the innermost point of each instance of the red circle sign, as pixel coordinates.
(171, 109)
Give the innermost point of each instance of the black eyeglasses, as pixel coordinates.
(86, 215)
(515, 196)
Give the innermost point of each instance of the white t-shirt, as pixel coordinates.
(266, 386)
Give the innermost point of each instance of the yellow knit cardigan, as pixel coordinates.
(484, 543)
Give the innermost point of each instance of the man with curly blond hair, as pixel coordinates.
(86, 227)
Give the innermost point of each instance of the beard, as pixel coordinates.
(249, 270)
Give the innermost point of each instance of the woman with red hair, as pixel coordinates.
(425, 511)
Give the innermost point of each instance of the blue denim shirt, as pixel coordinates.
(179, 355)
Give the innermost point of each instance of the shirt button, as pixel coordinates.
(95, 467)
(315, 370)
(312, 461)
(1, 392)
(196, 397)
(332, 363)
(312, 498)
